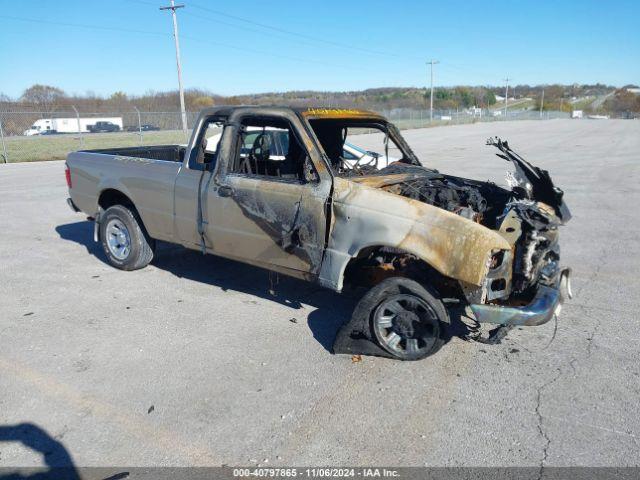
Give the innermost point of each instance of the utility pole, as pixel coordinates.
(506, 96)
(139, 123)
(541, 103)
(432, 63)
(173, 7)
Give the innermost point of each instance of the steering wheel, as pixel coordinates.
(260, 152)
(261, 148)
(342, 162)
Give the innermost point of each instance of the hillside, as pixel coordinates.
(597, 97)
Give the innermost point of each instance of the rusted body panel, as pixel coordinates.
(364, 216)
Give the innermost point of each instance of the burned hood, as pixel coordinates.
(477, 200)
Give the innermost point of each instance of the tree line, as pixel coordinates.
(49, 99)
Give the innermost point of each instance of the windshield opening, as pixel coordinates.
(361, 147)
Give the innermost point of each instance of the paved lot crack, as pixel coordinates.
(541, 430)
(590, 339)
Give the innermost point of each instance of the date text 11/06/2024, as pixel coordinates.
(315, 472)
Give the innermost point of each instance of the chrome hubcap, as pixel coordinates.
(118, 239)
(406, 325)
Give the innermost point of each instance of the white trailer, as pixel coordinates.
(67, 125)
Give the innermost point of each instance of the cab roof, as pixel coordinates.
(335, 113)
(312, 113)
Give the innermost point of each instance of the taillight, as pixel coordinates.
(67, 175)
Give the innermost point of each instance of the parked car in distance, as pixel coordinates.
(145, 128)
(103, 127)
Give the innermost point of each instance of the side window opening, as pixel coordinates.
(269, 147)
(207, 151)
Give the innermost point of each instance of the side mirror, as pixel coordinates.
(308, 171)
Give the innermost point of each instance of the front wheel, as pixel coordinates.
(408, 321)
(124, 240)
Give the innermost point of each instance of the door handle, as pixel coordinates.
(225, 191)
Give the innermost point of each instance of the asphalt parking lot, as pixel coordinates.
(192, 362)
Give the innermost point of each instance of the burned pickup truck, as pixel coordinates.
(274, 187)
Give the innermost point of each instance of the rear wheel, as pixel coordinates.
(124, 239)
(408, 320)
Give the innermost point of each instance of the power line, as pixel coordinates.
(275, 55)
(297, 34)
(281, 30)
(187, 37)
(278, 29)
(248, 29)
(274, 29)
(79, 25)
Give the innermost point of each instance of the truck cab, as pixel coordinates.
(103, 127)
(39, 127)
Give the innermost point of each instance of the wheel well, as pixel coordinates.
(110, 197)
(374, 264)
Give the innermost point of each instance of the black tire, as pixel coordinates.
(140, 245)
(420, 326)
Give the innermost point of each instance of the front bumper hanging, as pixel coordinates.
(546, 303)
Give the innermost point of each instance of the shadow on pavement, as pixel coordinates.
(56, 458)
(332, 309)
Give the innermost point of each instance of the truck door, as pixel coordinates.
(194, 178)
(267, 203)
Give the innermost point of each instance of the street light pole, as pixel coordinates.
(432, 63)
(173, 7)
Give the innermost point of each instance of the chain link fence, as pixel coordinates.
(28, 136)
(406, 118)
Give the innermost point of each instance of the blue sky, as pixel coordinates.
(105, 46)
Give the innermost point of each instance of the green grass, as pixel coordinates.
(56, 147)
(582, 103)
(518, 104)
